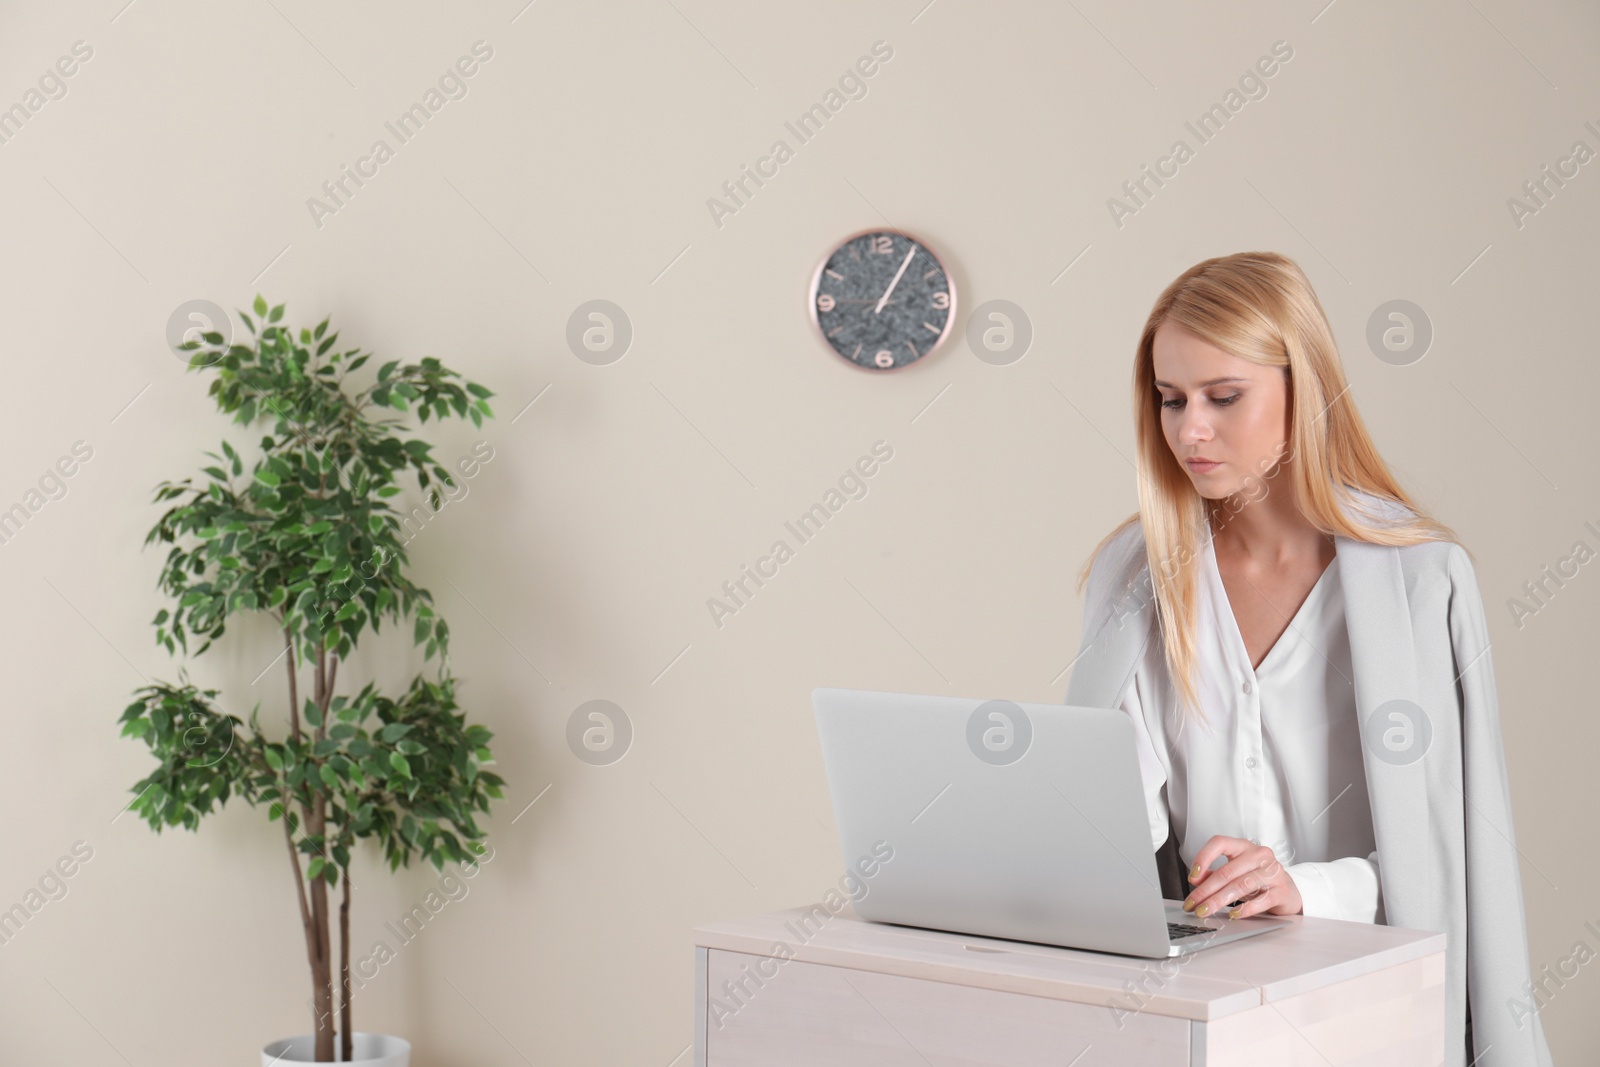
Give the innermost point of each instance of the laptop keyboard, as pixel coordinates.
(1177, 930)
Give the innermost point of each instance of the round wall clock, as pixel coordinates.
(882, 299)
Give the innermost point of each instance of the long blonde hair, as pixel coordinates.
(1258, 306)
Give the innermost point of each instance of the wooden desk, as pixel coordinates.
(783, 988)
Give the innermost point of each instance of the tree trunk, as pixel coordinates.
(345, 1032)
(316, 827)
(321, 965)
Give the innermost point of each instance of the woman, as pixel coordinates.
(1327, 639)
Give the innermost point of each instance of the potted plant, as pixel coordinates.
(306, 536)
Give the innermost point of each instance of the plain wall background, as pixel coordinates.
(178, 165)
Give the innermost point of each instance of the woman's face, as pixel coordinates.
(1218, 407)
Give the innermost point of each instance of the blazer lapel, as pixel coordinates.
(1383, 657)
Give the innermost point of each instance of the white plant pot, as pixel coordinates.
(368, 1050)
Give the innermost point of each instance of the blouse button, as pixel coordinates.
(1251, 762)
(1247, 687)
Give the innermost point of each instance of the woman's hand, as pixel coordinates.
(1252, 875)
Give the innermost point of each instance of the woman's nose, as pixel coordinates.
(1192, 428)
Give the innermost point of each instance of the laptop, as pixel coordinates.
(1001, 819)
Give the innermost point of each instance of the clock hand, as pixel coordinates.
(904, 263)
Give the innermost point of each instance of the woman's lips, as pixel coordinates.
(1201, 466)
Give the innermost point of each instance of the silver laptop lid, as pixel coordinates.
(1012, 820)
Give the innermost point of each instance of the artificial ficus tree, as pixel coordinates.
(308, 538)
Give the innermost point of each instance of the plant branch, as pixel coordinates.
(294, 689)
(333, 674)
(299, 892)
(346, 1039)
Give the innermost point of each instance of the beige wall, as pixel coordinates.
(578, 166)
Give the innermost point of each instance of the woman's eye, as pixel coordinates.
(1172, 403)
(1224, 401)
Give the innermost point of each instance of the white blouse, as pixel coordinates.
(1281, 761)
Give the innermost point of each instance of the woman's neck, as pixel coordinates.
(1270, 529)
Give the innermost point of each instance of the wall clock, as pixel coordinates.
(882, 299)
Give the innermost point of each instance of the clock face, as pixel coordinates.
(882, 300)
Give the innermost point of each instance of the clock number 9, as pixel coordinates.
(941, 300)
(825, 302)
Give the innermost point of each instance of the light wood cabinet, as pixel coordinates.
(804, 987)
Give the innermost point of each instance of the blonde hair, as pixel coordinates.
(1258, 306)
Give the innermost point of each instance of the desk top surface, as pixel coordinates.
(1213, 982)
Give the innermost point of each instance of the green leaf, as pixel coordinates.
(400, 764)
(330, 777)
(313, 714)
(260, 305)
(393, 732)
(267, 478)
(315, 868)
(274, 759)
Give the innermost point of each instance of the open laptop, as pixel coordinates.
(1004, 819)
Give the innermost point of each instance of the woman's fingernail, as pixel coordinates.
(1202, 909)
(1233, 913)
(1188, 905)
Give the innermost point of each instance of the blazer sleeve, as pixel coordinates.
(1497, 938)
(1346, 888)
(1151, 774)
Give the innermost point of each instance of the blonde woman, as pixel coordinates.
(1303, 654)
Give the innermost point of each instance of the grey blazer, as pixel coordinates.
(1441, 807)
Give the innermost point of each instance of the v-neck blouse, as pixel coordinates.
(1278, 761)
